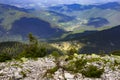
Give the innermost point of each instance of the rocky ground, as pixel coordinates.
(31, 69)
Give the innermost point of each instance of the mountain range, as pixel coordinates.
(97, 41)
(90, 17)
(17, 23)
(94, 25)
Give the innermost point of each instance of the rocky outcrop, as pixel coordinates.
(34, 69)
(25, 70)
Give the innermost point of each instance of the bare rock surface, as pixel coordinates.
(29, 69)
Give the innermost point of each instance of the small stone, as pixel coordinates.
(69, 76)
(60, 77)
(17, 75)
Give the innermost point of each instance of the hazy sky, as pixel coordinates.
(53, 2)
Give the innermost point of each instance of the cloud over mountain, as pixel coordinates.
(53, 2)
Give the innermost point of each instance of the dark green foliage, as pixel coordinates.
(53, 70)
(116, 63)
(72, 51)
(55, 54)
(76, 66)
(70, 57)
(70, 67)
(4, 57)
(92, 71)
(10, 50)
(116, 52)
(33, 50)
(32, 40)
(80, 64)
(18, 50)
(23, 74)
(13, 48)
(50, 72)
(36, 48)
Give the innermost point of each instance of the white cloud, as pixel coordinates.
(73, 1)
(53, 2)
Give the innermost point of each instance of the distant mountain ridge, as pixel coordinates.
(79, 7)
(106, 40)
(6, 6)
(107, 14)
(16, 23)
(82, 18)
